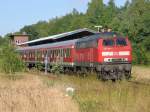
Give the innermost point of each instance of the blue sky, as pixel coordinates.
(14, 14)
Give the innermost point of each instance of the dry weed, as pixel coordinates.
(31, 95)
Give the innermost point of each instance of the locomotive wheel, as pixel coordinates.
(121, 76)
(84, 72)
(66, 70)
(128, 75)
(101, 76)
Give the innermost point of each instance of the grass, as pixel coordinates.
(36, 92)
(32, 94)
(93, 95)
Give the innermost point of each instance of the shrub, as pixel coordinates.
(39, 66)
(57, 69)
(10, 61)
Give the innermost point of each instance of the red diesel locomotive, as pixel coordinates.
(108, 54)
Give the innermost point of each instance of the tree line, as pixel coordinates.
(132, 20)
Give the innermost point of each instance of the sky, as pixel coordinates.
(14, 14)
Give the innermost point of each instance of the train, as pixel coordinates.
(108, 54)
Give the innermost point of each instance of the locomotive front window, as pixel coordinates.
(108, 42)
(121, 42)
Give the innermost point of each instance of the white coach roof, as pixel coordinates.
(53, 37)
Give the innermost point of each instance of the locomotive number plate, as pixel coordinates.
(116, 53)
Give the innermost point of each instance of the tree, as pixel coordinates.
(30, 30)
(96, 12)
(111, 11)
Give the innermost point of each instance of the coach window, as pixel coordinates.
(65, 53)
(58, 53)
(38, 54)
(27, 54)
(55, 53)
(31, 54)
(50, 53)
(68, 53)
(61, 52)
(46, 52)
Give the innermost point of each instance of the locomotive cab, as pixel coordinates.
(114, 56)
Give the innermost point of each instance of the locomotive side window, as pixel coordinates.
(108, 42)
(121, 42)
(87, 44)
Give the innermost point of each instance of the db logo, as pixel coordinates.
(115, 53)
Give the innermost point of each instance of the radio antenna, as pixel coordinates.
(99, 27)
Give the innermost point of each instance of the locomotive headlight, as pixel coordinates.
(107, 53)
(107, 59)
(124, 53)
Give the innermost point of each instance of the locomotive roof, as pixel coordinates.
(57, 44)
(100, 35)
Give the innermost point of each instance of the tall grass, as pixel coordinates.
(29, 94)
(93, 95)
